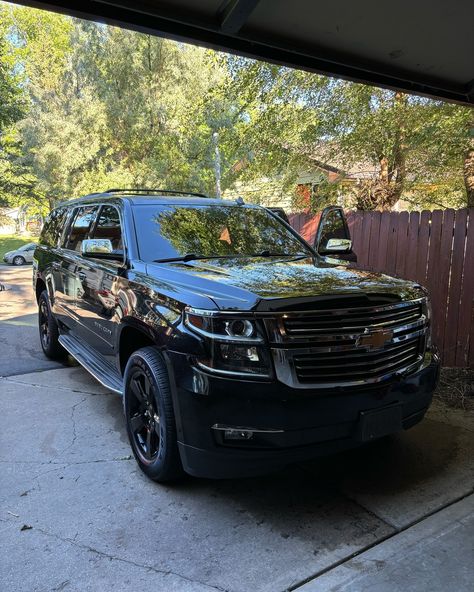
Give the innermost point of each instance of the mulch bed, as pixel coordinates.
(456, 388)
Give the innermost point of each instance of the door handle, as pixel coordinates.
(81, 275)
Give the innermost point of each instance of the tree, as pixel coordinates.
(407, 146)
(84, 107)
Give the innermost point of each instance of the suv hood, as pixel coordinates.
(268, 283)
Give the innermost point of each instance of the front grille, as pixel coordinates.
(348, 347)
(354, 366)
(307, 325)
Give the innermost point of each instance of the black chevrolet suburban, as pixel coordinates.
(237, 347)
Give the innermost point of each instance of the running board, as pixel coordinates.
(101, 370)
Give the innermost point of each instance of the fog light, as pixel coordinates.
(239, 353)
(236, 434)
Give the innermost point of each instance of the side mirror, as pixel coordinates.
(338, 245)
(100, 248)
(93, 246)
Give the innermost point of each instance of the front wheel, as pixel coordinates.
(149, 416)
(48, 330)
(19, 260)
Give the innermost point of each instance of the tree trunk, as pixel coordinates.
(387, 190)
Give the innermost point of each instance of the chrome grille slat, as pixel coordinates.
(330, 372)
(302, 326)
(342, 355)
(301, 367)
(405, 362)
(325, 349)
(349, 315)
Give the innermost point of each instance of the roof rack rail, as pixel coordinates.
(152, 191)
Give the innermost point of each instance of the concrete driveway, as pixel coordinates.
(76, 513)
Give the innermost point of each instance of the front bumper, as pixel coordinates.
(288, 425)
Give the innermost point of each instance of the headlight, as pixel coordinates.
(223, 327)
(232, 344)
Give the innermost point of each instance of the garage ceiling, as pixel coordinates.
(420, 46)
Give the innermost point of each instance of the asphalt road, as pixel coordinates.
(77, 515)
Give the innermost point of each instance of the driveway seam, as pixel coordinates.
(387, 537)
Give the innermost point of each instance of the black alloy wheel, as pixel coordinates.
(43, 322)
(48, 330)
(144, 416)
(149, 415)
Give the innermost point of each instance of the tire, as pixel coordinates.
(48, 329)
(149, 416)
(19, 260)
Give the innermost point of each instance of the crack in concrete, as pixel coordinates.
(146, 567)
(66, 464)
(74, 431)
(61, 388)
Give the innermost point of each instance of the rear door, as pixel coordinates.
(96, 306)
(47, 258)
(333, 239)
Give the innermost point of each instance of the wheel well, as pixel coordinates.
(131, 339)
(40, 287)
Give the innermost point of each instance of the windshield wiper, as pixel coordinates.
(267, 253)
(193, 257)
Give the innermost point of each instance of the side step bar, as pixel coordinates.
(101, 370)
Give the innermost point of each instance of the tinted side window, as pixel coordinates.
(53, 227)
(108, 227)
(80, 226)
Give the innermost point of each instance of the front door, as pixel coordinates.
(97, 305)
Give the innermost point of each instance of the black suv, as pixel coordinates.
(238, 348)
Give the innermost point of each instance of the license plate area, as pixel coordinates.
(377, 423)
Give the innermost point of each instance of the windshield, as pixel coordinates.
(168, 231)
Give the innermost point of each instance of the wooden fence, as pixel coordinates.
(435, 249)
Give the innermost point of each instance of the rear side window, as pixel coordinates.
(53, 228)
(79, 230)
(108, 227)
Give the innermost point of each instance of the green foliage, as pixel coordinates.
(84, 107)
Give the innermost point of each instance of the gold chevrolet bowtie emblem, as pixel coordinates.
(374, 340)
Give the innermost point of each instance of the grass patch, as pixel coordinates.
(9, 242)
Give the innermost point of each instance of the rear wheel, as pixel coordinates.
(150, 417)
(19, 260)
(48, 330)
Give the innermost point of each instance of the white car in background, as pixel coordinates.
(21, 256)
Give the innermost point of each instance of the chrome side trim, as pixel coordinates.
(230, 373)
(222, 428)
